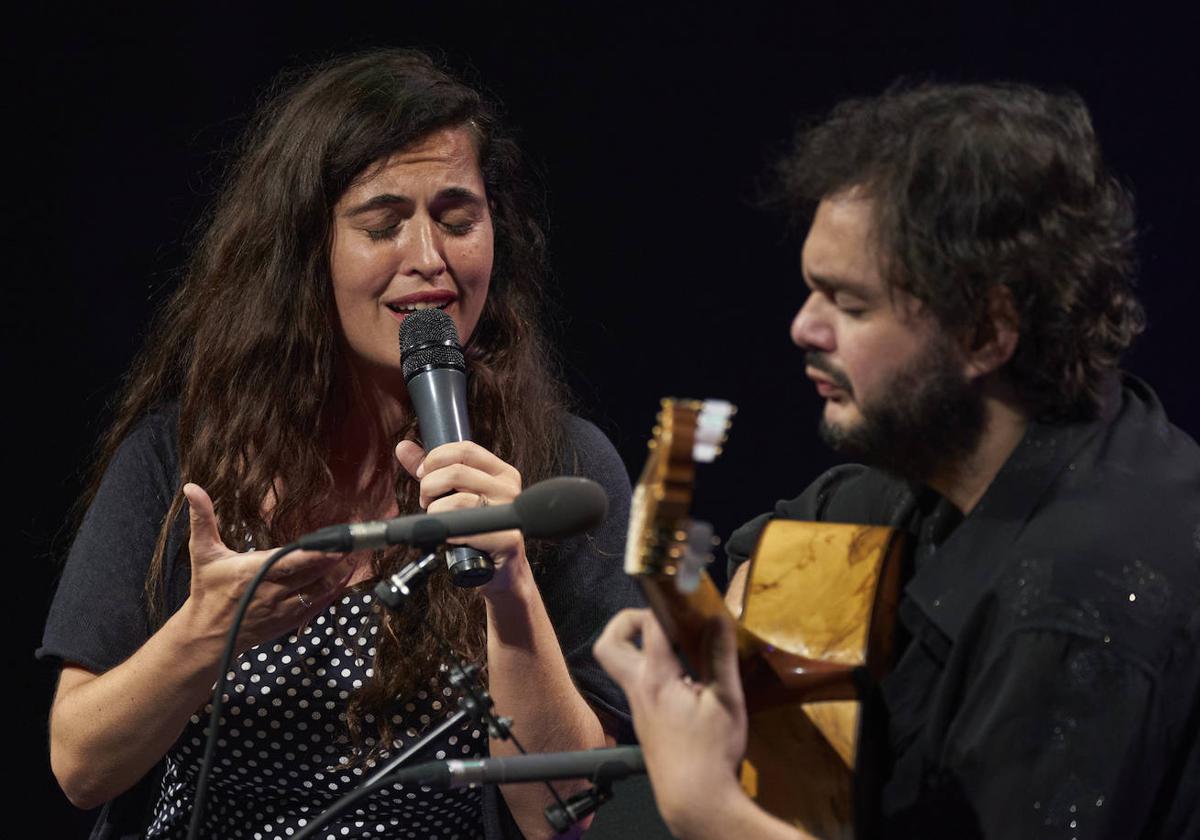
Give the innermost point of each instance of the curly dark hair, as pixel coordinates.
(250, 344)
(982, 186)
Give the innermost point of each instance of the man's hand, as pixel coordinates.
(693, 735)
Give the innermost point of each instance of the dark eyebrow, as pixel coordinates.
(450, 195)
(459, 195)
(375, 202)
(840, 284)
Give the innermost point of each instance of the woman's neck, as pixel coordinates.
(361, 441)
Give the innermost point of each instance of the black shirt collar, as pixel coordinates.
(959, 558)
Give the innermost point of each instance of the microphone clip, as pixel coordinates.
(393, 591)
(563, 815)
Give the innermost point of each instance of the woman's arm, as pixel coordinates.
(107, 730)
(529, 680)
(527, 674)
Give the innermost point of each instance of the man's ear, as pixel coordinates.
(995, 340)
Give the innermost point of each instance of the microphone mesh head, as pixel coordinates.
(428, 338)
(561, 507)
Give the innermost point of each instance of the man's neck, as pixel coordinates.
(964, 482)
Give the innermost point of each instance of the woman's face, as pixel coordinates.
(413, 232)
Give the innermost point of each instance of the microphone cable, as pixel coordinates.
(218, 701)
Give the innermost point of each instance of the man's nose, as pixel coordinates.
(811, 328)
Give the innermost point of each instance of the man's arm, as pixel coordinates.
(693, 735)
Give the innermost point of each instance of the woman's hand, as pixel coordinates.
(465, 475)
(298, 587)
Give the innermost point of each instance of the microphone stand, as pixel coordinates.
(474, 702)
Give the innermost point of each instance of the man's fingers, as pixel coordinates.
(616, 650)
(721, 644)
(658, 648)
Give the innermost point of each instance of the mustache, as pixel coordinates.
(819, 361)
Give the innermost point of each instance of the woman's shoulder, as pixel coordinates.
(589, 452)
(584, 434)
(152, 442)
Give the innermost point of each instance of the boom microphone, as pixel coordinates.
(551, 509)
(435, 373)
(606, 764)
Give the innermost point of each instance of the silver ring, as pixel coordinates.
(307, 604)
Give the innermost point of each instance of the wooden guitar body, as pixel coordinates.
(824, 592)
(815, 624)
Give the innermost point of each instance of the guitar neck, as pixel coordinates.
(684, 618)
(770, 676)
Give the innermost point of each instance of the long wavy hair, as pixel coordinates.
(250, 346)
(983, 186)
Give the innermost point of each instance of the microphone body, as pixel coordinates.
(608, 764)
(439, 396)
(435, 374)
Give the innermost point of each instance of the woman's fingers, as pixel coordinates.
(459, 468)
(456, 499)
(467, 454)
(458, 478)
(298, 568)
(410, 455)
(298, 586)
(204, 540)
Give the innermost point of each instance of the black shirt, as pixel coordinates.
(1048, 679)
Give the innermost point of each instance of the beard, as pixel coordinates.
(929, 419)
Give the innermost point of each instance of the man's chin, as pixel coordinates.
(839, 435)
(841, 412)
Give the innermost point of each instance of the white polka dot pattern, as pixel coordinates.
(280, 757)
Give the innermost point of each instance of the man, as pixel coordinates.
(969, 264)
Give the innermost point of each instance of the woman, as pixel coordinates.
(269, 401)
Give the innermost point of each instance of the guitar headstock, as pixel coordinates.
(663, 539)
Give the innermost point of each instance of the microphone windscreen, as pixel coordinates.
(561, 507)
(428, 338)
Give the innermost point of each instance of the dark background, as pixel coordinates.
(650, 126)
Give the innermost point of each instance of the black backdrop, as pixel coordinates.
(650, 126)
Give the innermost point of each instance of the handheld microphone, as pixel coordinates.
(551, 509)
(435, 373)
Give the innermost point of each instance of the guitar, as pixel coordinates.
(814, 624)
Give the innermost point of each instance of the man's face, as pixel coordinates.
(895, 385)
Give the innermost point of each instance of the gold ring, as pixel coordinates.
(307, 604)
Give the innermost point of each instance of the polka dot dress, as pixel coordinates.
(283, 737)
